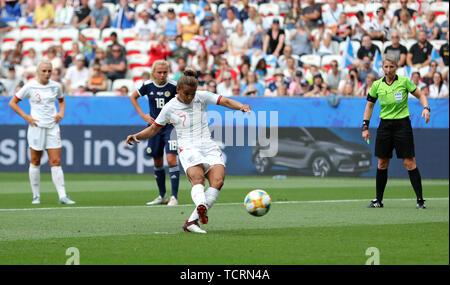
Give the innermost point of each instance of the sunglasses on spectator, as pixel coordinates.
(228, 78)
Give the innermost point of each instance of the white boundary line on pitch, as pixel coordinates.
(218, 204)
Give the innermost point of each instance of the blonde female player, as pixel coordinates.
(199, 154)
(43, 129)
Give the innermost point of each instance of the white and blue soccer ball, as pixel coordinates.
(257, 202)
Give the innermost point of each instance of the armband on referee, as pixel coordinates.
(365, 126)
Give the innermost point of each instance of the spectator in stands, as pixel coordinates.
(189, 30)
(237, 46)
(224, 88)
(180, 50)
(88, 47)
(367, 48)
(364, 90)
(100, 17)
(224, 11)
(380, 26)
(243, 13)
(123, 91)
(170, 25)
(158, 50)
(272, 87)
(212, 87)
(311, 14)
(282, 90)
(428, 77)
(181, 66)
(77, 77)
(334, 77)
(114, 41)
(145, 76)
(290, 69)
(244, 69)
(230, 23)
(12, 81)
(100, 57)
(256, 39)
(14, 56)
(444, 53)
(250, 24)
(11, 8)
(202, 58)
(442, 31)
(224, 67)
(366, 69)
(81, 18)
(404, 6)
(287, 53)
(63, 15)
(342, 29)
(145, 28)
(124, 18)
(419, 54)
(69, 56)
(301, 40)
(319, 88)
(293, 15)
(116, 65)
(322, 39)
(430, 26)
(361, 27)
(389, 12)
(406, 26)
(251, 84)
(54, 59)
(348, 89)
(206, 22)
(205, 79)
(274, 39)
(57, 76)
(4, 27)
(261, 69)
(44, 15)
(397, 49)
(153, 12)
(332, 15)
(438, 89)
(218, 39)
(295, 88)
(30, 60)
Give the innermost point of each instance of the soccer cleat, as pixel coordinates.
(158, 201)
(201, 211)
(375, 204)
(36, 200)
(193, 227)
(421, 204)
(173, 201)
(66, 200)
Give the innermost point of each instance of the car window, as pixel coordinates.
(323, 134)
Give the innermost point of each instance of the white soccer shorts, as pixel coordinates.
(44, 138)
(208, 156)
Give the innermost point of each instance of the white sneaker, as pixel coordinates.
(159, 200)
(193, 227)
(173, 201)
(66, 200)
(36, 200)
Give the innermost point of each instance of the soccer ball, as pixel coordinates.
(257, 202)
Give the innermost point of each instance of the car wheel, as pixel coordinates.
(262, 164)
(321, 166)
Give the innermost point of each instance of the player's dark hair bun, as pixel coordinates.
(189, 72)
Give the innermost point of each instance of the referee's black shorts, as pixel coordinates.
(395, 134)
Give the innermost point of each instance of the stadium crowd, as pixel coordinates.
(237, 48)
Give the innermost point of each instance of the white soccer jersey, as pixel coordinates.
(42, 101)
(190, 121)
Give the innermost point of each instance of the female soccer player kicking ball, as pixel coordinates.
(199, 154)
(43, 129)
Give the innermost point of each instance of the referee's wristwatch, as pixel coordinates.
(428, 108)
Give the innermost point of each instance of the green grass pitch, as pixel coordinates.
(311, 221)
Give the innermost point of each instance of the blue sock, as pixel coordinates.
(160, 175)
(174, 173)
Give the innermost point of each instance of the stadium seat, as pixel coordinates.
(128, 35)
(311, 59)
(106, 33)
(441, 19)
(7, 46)
(355, 44)
(180, 9)
(67, 45)
(269, 19)
(408, 43)
(137, 60)
(68, 35)
(137, 47)
(118, 83)
(351, 11)
(269, 9)
(424, 70)
(111, 8)
(327, 59)
(33, 35)
(379, 44)
(439, 8)
(91, 33)
(49, 35)
(163, 7)
(385, 45)
(370, 9)
(13, 35)
(30, 44)
(106, 94)
(213, 7)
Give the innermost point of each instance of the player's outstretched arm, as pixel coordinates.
(234, 105)
(143, 135)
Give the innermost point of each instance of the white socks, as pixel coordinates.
(35, 179)
(210, 196)
(58, 180)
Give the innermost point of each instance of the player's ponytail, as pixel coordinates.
(189, 78)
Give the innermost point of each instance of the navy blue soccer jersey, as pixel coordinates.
(157, 95)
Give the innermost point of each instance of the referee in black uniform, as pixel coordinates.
(394, 131)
